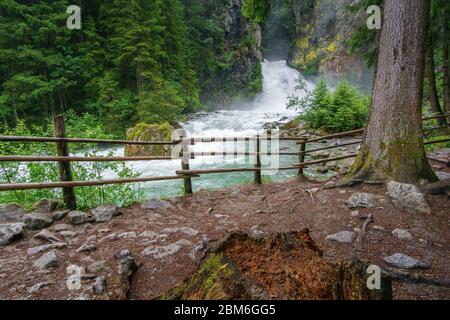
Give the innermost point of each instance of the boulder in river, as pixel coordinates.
(149, 132)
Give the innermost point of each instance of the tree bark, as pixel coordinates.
(393, 148)
(432, 88)
(446, 62)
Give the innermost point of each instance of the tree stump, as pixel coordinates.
(286, 266)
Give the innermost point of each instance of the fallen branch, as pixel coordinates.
(362, 233)
(311, 195)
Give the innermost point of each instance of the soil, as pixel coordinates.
(258, 210)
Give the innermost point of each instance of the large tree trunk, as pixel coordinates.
(393, 148)
(446, 62)
(432, 88)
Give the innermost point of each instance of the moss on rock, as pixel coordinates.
(149, 132)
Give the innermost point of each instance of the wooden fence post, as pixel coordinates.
(65, 170)
(258, 179)
(300, 172)
(185, 165)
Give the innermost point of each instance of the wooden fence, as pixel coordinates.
(64, 159)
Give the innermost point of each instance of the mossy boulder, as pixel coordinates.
(286, 266)
(149, 132)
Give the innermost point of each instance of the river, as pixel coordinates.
(246, 119)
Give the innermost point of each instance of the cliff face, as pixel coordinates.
(241, 74)
(322, 31)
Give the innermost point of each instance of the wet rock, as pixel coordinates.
(342, 237)
(104, 213)
(47, 260)
(36, 221)
(10, 232)
(406, 262)
(360, 200)
(46, 205)
(402, 234)
(10, 212)
(45, 247)
(78, 217)
(157, 204)
(159, 252)
(408, 196)
(47, 236)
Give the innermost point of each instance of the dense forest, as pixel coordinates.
(146, 60)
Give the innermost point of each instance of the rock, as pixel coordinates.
(157, 204)
(159, 252)
(10, 232)
(408, 196)
(99, 267)
(78, 217)
(59, 214)
(47, 236)
(127, 264)
(355, 214)
(10, 212)
(36, 221)
(443, 175)
(99, 286)
(68, 234)
(37, 287)
(329, 184)
(148, 234)
(87, 247)
(150, 132)
(60, 227)
(402, 234)
(47, 260)
(46, 205)
(322, 169)
(104, 213)
(186, 230)
(378, 228)
(343, 237)
(110, 237)
(320, 155)
(360, 200)
(45, 247)
(92, 238)
(127, 235)
(405, 262)
(122, 254)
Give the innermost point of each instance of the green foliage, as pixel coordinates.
(344, 109)
(256, 10)
(88, 197)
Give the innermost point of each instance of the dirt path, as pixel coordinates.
(161, 240)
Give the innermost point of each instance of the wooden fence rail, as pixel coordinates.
(64, 159)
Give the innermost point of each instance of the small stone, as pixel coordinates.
(314, 190)
(60, 227)
(87, 247)
(99, 286)
(37, 287)
(342, 237)
(148, 234)
(357, 230)
(47, 236)
(159, 252)
(122, 254)
(104, 213)
(409, 196)
(45, 247)
(110, 237)
(47, 260)
(378, 228)
(78, 217)
(157, 204)
(10, 232)
(443, 175)
(92, 238)
(402, 234)
(342, 192)
(36, 221)
(329, 184)
(360, 200)
(406, 262)
(127, 235)
(354, 214)
(68, 234)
